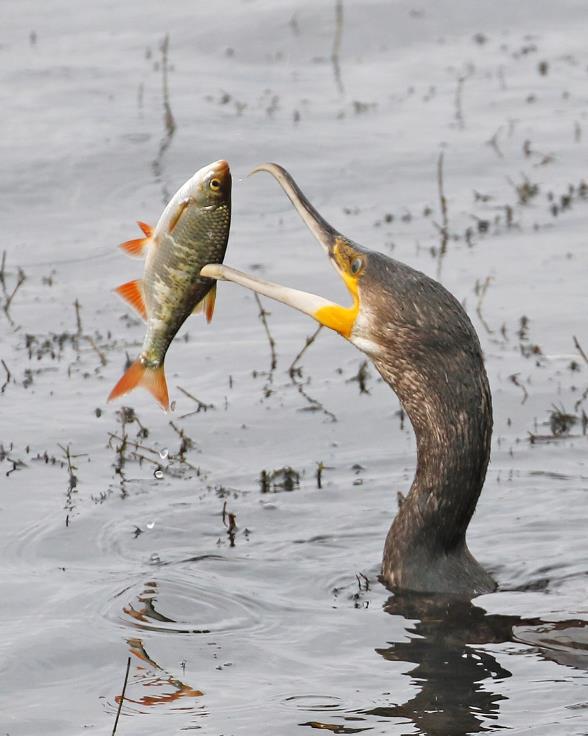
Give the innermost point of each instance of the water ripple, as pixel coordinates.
(176, 603)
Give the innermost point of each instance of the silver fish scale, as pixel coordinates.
(172, 284)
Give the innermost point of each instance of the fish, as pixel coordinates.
(193, 230)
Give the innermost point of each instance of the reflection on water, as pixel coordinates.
(154, 677)
(146, 612)
(159, 686)
(454, 673)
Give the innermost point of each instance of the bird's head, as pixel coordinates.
(351, 262)
(397, 313)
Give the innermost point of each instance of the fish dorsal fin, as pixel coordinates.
(147, 229)
(175, 218)
(137, 247)
(132, 293)
(206, 305)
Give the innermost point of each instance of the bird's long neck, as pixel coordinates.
(451, 414)
(453, 448)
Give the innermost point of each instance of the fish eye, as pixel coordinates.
(215, 185)
(356, 265)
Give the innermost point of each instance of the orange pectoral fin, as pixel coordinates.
(177, 214)
(153, 379)
(138, 246)
(132, 293)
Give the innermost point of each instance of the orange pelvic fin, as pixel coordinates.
(137, 247)
(206, 305)
(132, 293)
(209, 302)
(153, 379)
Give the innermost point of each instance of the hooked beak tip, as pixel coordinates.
(212, 271)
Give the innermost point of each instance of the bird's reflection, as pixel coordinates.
(455, 675)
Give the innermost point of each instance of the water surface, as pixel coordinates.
(111, 549)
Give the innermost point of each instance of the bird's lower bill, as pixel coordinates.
(334, 316)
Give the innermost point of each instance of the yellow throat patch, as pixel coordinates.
(341, 319)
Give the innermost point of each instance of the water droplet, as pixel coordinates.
(150, 524)
(163, 453)
(155, 559)
(158, 473)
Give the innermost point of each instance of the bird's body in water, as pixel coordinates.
(423, 344)
(193, 230)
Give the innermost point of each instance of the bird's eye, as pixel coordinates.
(215, 185)
(356, 265)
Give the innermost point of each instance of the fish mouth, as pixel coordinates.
(338, 318)
(220, 169)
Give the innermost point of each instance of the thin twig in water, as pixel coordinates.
(458, 101)
(20, 279)
(337, 44)
(3, 272)
(168, 118)
(200, 405)
(99, 353)
(186, 443)
(231, 524)
(8, 377)
(515, 379)
(132, 443)
(584, 395)
(444, 227)
(79, 329)
(262, 316)
(169, 121)
(309, 340)
(577, 346)
(294, 372)
(122, 696)
(315, 404)
(72, 487)
(320, 467)
(493, 143)
(481, 291)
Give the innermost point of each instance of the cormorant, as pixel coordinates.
(425, 347)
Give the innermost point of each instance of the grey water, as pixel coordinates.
(231, 549)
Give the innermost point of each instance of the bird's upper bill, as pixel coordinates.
(348, 259)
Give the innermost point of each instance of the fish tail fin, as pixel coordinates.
(137, 246)
(138, 374)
